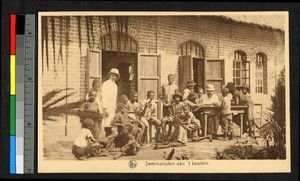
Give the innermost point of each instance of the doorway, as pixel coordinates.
(198, 69)
(191, 68)
(126, 63)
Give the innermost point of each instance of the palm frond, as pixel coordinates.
(58, 100)
(52, 94)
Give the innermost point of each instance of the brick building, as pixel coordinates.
(208, 49)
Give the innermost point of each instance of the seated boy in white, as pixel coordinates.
(85, 144)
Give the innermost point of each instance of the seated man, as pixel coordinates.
(210, 99)
(179, 137)
(85, 144)
(189, 122)
(124, 141)
(148, 116)
(177, 110)
(121, 118)
(132, 107)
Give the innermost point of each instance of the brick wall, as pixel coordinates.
(162, 35)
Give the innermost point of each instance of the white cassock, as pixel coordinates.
(109, 100)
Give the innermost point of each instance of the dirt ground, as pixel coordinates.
(58, 144)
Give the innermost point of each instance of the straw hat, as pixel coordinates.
(190, 83)
(210, 87)
(246, 86)
(114, 71)
(177, 94)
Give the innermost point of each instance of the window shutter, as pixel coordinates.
(265, 77)
(185, 71)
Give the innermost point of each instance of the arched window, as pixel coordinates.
(241, 68)
(261, 80)
(116, 41)
(191, 48)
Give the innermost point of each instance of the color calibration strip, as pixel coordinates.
(22, 89)
(12, 120)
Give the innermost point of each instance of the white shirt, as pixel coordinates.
(182, 136)
(186, 93)
(109, 91)
(204, 99)
(168, 91)
(83, 137)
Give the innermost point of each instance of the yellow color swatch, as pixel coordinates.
(13, 75)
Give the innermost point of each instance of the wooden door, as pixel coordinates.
(185, 71)
(93, 67)
(149, 77)
(214, 73)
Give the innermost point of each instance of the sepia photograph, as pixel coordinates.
(163, 92)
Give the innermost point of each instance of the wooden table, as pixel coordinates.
(206, 110)
(241, 111)
(215, 110)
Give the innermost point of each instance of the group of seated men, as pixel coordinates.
(139, 117)
(142, 114)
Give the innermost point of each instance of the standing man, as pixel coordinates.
(109, 96)
(167, 93)
(238, 98)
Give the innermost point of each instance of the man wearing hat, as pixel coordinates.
(210, 99)
(176, 111)
(238, 98)
(189, 88)
(109, 96)
(250, 113)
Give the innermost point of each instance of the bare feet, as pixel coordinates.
(81, 157)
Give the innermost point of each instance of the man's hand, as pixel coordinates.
(105, 112)
(123, 148)
(215, 104)
(95, 144)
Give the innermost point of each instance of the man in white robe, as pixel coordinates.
(109, 96)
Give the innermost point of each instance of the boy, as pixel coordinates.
(90, 109)
(177, 110)
(124, 99)
(85, 144)
(200, 93)
(122, 118)
(148, 116)
(132, 105)
(168, 90)
(189, 122)
(124, 140)
(250, 113)
(190, 85)
(226, 116)
(96, 87)
(179, 137)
